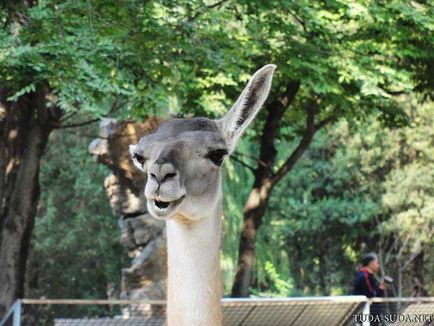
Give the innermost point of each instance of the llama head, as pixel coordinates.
(183, 158)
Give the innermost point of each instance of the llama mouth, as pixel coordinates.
(164, 206)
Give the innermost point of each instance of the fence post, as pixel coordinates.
(365, 314)
(17, 313)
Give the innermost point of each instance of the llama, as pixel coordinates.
(182, 161)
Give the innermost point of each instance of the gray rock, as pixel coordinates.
(143, 235)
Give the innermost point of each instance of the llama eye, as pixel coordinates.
(139, 158)
(217, 156)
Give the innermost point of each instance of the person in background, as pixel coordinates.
(366, 283)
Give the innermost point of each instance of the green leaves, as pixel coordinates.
(25, 90)
(75, 231)
(356, 189)
(352, 58)
(90, 53)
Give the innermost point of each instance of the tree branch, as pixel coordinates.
(332, 118)
(67, 117)
(275, 111)
(311, 129)
(298, 20)
(218, 3)
(412, 258)
(214, 5)
(114, 107)
(254, 158)
(80, 124)
(236, 159)
(302, 146)
(395, 93)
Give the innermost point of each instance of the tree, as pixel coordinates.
(335, 63)
(357, 189)
(406, 225)
(68, 64)
(75, 231)
(56, 60)
(65, 65)
(320, 217)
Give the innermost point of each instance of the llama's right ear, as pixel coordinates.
(233, 124)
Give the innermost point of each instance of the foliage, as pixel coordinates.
(166, 57)
(408, 229)
(355, 190)
(132, 59)
(236, 186)
(76, 246)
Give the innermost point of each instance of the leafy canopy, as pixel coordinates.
(164, 57)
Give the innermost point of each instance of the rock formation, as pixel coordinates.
(140, 233)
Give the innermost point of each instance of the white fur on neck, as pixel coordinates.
(194, 286)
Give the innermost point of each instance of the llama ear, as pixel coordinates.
(233, 124)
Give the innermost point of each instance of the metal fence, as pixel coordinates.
(305, 311)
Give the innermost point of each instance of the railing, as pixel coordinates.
(304, 311)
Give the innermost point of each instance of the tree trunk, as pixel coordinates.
(253, 212)
(295, 257)
(419, 289)
(266, 179)
(257, 201)
(25, 126)
(323, 270)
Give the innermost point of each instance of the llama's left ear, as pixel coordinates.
(233, 124)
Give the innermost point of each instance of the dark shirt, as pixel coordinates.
(367, 284)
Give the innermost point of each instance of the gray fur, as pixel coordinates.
(179, 171)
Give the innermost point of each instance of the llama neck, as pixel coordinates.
(194, 286)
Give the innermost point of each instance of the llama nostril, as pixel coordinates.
(162, 179)
(169, 176)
